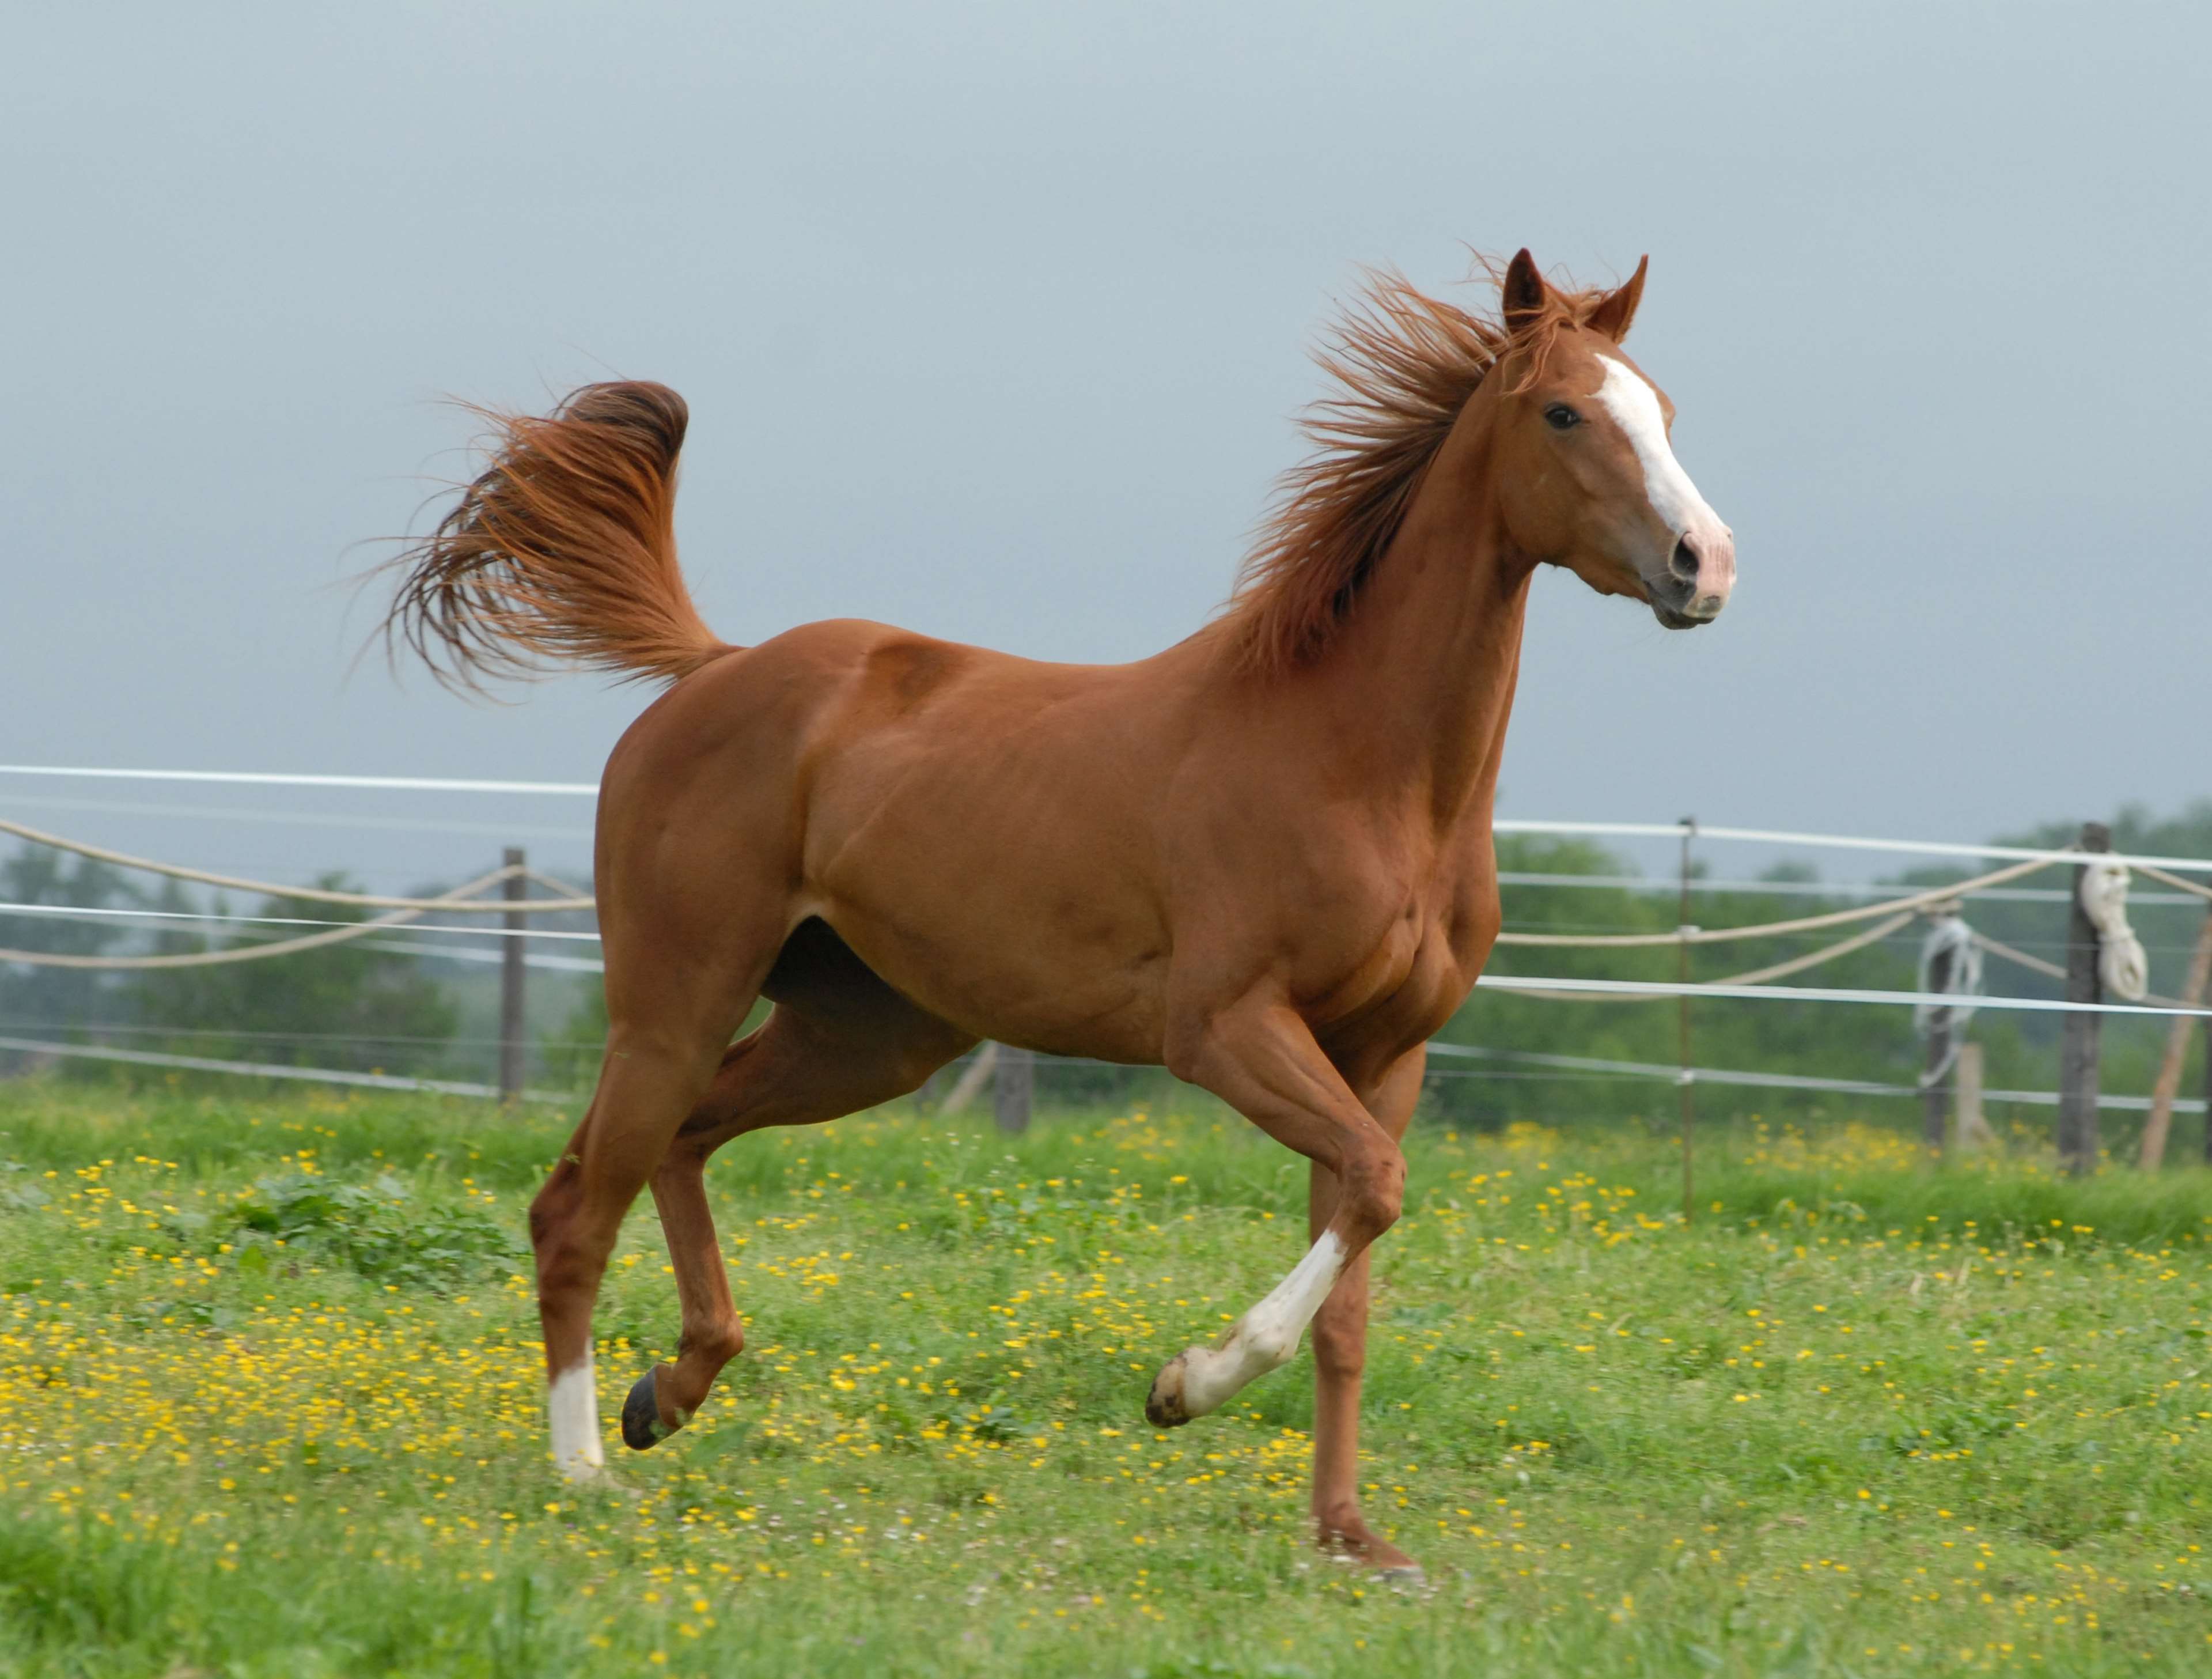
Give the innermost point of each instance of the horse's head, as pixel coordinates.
(1587, 477)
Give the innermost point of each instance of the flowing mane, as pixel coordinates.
(1404, 364)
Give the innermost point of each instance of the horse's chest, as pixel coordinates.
(1399, 972)
(1412, 968)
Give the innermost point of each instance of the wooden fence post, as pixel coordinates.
(2079, 1038)
(1934, 1099)
(514, 889)
(1013, 1089)
(2176, 1051)
(1973, 1131)
(971, 1080)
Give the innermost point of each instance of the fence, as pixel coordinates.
(512, 880)
(2103, 956)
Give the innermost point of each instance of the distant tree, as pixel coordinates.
(571, 1056)
(351, 1005)
(2187, 833)
(35, 999)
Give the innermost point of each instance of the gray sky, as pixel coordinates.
(992, 320)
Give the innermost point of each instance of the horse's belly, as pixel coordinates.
(1002, 880)
(1065, 990)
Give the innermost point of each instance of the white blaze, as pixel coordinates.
(572, 1407)
(1635, 409)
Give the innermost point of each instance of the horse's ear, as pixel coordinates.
(1522, 291)
(1616, 309)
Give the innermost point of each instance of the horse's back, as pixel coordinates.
(848, 695)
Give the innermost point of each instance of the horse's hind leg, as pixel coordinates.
(661, 1058)
(844, 1042)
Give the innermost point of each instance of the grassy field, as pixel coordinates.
(269, 1405)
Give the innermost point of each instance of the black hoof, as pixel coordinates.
(642, 1428)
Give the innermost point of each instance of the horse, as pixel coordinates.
(1261, 858)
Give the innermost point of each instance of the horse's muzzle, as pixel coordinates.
(1700, 576)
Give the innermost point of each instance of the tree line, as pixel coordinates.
(353, 1005)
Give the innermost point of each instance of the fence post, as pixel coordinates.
(1973, 1131)
(514, 889)
(1934, 1100)
(2177, 1051)
(1013, 1089)
(1684, 1079)
(970, 1080)
(2079, 1038)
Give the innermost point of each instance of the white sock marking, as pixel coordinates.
(572, 1407)
(1266, 1337)
(1635, 409)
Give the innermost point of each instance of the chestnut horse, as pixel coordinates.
(1261, 858)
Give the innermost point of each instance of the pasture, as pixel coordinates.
(271, 1404)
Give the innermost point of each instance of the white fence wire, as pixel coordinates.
(1900, 908)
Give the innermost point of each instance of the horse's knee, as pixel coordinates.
(553, 1208)
(564, 1267)
(1373, 1193)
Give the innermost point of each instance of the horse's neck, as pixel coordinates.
(1423, 673)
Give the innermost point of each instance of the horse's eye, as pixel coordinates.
(1561, 417)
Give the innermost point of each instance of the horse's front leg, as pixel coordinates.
(1260, 1058)
(1339, 1334)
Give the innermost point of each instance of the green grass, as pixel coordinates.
(269, 1405)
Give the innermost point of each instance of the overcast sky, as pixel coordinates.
(992, 320)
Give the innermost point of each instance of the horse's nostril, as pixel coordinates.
(1683, 562)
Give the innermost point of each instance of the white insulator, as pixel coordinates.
(2121, 962)
(1949, 935)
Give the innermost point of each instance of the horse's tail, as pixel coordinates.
(564, 549)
